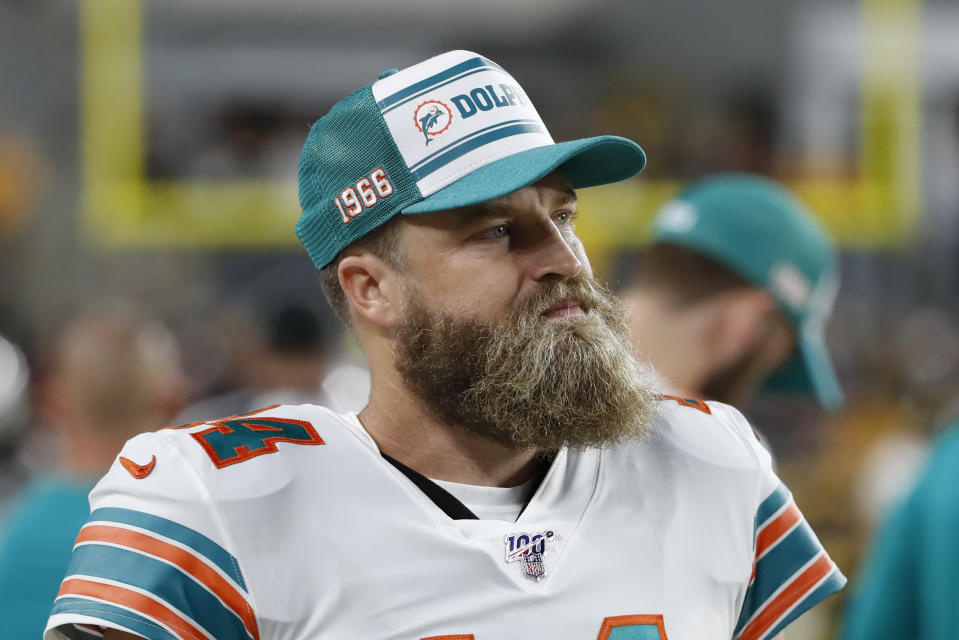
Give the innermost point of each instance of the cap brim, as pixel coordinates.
(810, 370)
(585, 163)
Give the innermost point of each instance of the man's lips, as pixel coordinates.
(565, 309)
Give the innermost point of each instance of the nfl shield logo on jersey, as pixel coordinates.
(528, 548)
(534, 566)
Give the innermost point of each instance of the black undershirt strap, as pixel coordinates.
(440, 496)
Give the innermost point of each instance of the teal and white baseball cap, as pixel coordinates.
(760, 231)
(449, 132)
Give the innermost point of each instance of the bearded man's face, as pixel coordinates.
(532, 379)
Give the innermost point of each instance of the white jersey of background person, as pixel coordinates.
(289, 524)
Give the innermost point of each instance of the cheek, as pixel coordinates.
(480, 293)
(490, 296)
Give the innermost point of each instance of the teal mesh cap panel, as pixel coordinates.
(348, 163)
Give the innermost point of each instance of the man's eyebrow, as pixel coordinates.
(494, 209)
(569, 197)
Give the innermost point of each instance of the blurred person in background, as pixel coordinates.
(283, 355)
(734, 293)
(14, 375)
(730, 300)
(112, 373)
(909, 583)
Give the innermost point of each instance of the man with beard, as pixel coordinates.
(512, 476)
(734, 292)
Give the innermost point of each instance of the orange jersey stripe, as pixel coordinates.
(611, 623)
(132, 600)
(192, 565)
(775, 529)
(787, 598)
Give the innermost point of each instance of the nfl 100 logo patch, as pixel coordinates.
(529, 549)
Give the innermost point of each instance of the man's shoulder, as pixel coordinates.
(707, 431)
(273, 435)
(231, 469)
(257, 453)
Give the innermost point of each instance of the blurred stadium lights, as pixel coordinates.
(852, 83)
(506, 18)
(142, 58)
(866, 58)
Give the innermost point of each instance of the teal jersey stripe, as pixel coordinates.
(777, 567)
(635, 632)
(772, 504)
(163, 580)
(175, 531)
(469, 136)
(108, 613)
(833, 583)
(491, 136)
(472, 65)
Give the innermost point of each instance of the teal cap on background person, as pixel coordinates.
(452, 131)
(762, 232)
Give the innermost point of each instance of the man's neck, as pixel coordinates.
(404, 429)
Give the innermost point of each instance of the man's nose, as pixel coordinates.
(558, 255)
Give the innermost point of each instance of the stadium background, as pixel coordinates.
(148, 151)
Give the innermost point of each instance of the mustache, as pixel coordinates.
(586, 291)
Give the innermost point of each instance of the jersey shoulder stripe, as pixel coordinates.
(812, 583)
(161, 617)
(112, 539)
(790, 566)
(772, 505)
(777, 528)
(157, 568)
(128, 619)
(125, 568)
(200, 544)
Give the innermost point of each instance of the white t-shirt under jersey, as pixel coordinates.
(492, 503)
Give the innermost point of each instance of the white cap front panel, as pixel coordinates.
(455, 113)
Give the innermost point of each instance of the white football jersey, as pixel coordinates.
(288, 524)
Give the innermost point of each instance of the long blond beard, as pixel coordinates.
(528, 381)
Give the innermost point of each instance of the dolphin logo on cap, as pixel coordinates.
(429, 117)
(429, 120)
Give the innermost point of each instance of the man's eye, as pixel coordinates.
(564, 217)
(499, 231)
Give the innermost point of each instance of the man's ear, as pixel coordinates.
(372, 288)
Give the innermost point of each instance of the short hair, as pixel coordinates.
(382, 242)
(686, 276)
(119, 363)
